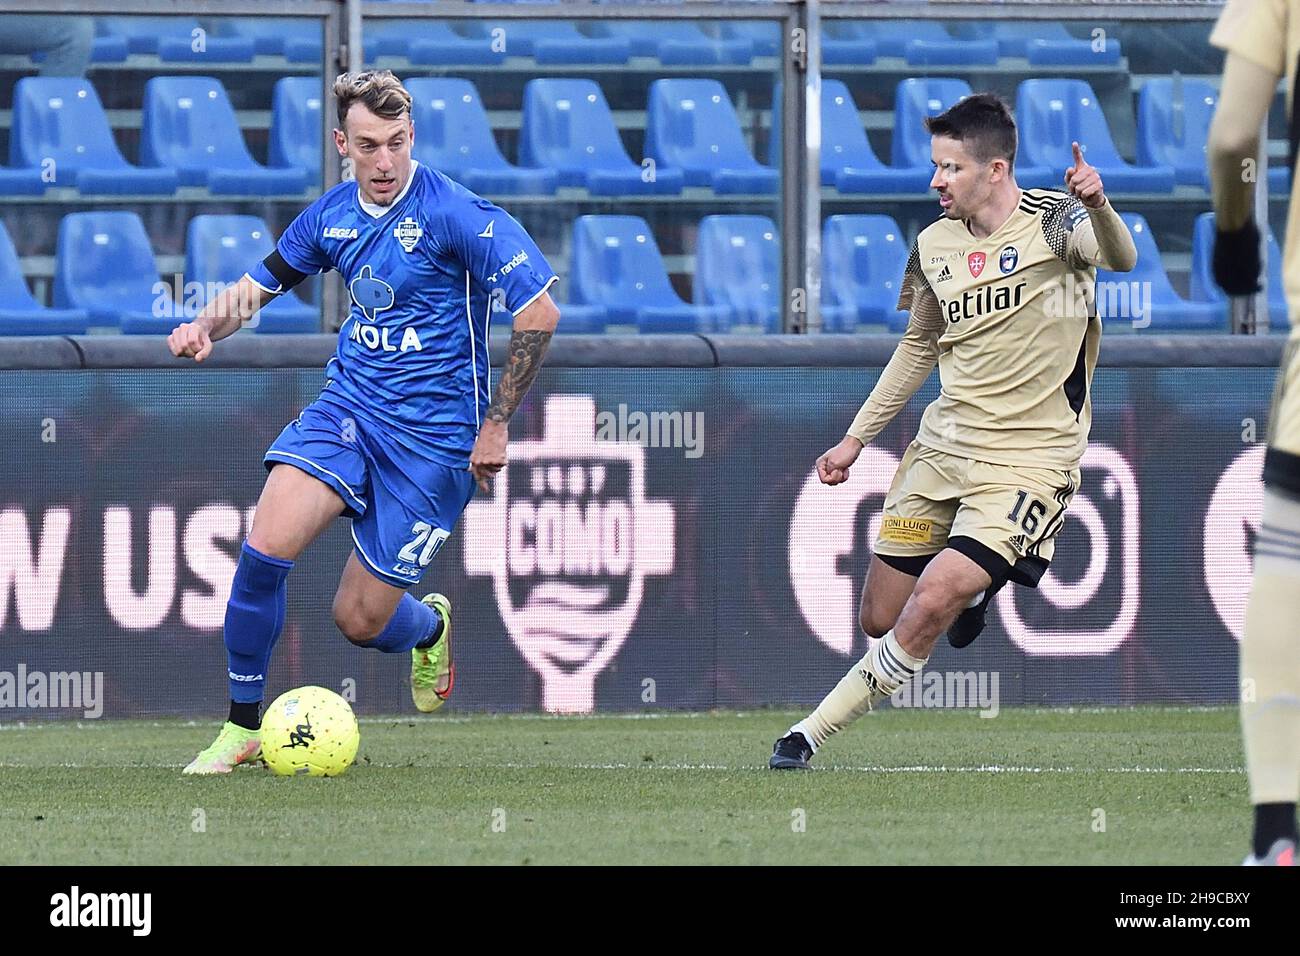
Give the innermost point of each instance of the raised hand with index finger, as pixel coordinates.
(1084, 182)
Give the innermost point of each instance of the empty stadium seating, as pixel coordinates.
(676, 42)
(176, 39)
(20, 313)
(1173, 126)
(919, 42)
(549, 41)
(616, 265)
(847, 160)
(691, 125)
(454, 137)
(567, 127)
(190, 126)
(1053, 113)
(1042, 43)
(863, 257)
(1145, 298)
(295, 139)
(106, 267)
(738, 269)
(61, 121)
(298, 40)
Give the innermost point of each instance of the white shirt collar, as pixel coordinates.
(373, 210)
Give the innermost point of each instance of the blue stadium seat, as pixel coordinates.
(550, 41)
(846, 44)
(296, 39)
(675, 42)
(692, 126)
(616, 265)
(567, 127)
(738, 269)
(190, 126)
(427, 43)
(1041, 42)
(1203, 288)
(20, 313)
(220, 249)
(296, 126)
(61, 120)
(765, 37)
(1169, 312)
(863, 257)
(103, 49)
(919, 42)
(455, 138)
(914, 101)
(106, 267)
(1053, 113)
(847, 159)
(21, 182)
(176, 40)
(1173, 129)
(582, 319)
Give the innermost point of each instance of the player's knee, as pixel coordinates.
(935, 603)
(874, 623)
(357, 626)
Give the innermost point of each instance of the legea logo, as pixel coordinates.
(569, 538)
(1231, 523)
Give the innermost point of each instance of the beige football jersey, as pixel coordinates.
(1020, 334)
(1267, 33)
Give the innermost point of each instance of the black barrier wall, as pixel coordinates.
(658, 541)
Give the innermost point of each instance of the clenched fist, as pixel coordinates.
(190, 339)
(833, 467)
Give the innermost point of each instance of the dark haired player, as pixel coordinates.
(1000, 290)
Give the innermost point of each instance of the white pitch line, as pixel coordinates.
(918, 769)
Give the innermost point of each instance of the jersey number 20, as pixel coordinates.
(427, 535)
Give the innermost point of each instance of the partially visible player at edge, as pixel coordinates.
(1262, 40)
(403, 427)
(1000, 290)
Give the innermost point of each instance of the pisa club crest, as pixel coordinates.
(568, 539)
(976, 263)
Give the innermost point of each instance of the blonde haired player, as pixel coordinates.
(1262, 40)
(1000, 290)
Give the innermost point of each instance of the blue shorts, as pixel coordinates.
(403, 505)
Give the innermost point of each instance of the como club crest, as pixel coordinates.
(408, 233)
(568, 538)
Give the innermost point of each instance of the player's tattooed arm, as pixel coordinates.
(527, 351)
(534, 326)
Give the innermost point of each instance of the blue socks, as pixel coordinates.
(254, 617)
(412, 623)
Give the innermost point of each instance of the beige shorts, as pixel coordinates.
(1005, 518)
(1282, 460)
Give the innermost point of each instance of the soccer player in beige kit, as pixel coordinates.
(1000, 290)
(1262, 40)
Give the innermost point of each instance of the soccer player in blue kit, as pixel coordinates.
(404, 426)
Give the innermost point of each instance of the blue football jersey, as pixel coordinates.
(422, 275)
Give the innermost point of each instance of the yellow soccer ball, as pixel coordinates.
(309, 731)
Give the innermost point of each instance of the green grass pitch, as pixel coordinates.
(1094, 786)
